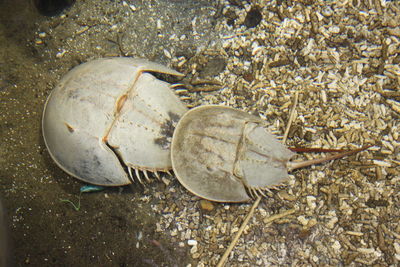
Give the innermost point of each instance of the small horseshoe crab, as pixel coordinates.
(227, 155)
(109, 117)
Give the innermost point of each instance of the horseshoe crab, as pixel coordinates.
(109, 117)
(227, 155)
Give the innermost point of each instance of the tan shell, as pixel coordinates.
(109, 117)
(223, 154)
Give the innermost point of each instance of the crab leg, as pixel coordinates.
(130, 174)
(261, 192)
(146, 175)
(251, 193)
(181, 91)
(138, 176)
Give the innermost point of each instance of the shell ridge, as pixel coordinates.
(240, 153)
(217, 138)
(139, 125)
(151, 107)
(146, 115)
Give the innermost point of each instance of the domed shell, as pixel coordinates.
(109, 116)
(223, 154)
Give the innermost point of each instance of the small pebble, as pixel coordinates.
(336, 246)
(331, 223)
(193, 250)
(166, 181)
(167, 53)
(60, 54)
(159, 24)
(311, 202)
(302, 220)
(334, 29)
(133, 8)
(206, 205)
(192, 242)
(327, 12)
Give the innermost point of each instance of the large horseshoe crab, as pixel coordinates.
(109, 118)
(227, 155)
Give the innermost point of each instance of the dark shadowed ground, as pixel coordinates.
(115, 228)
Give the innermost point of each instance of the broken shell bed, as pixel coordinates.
(223, 154)
(108, 117)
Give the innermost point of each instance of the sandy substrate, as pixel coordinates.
(341, 57)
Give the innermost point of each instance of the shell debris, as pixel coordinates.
(334, 54)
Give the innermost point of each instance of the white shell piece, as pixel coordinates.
(221, 153)
(109, 114)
